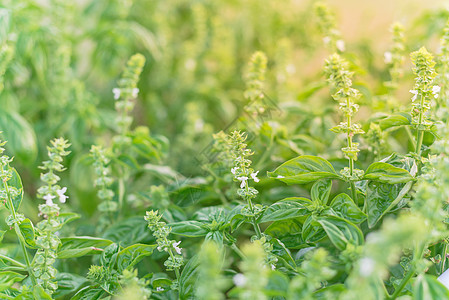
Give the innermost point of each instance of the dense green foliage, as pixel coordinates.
(220, 150)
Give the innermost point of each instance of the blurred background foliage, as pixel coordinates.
(66, 56)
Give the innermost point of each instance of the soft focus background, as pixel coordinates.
(67, 56)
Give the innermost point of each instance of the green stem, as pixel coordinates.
(13, 261)
(419, 138)
(418, 255)
(410, 136)
(237, 250)
(19, 234)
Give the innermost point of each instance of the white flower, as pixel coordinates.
(436, 90)
(239, 280)
(366, 266)
(388, 57)
(116, 92)
(326, 40)
(243, 179)
(159, 289)
(273, 267)
(62, 197)
(135, 92)
(48, 198)
(233, 170)
(253, 176)
(415, 93)
(177, 249)
(280, 176)
(340, 44)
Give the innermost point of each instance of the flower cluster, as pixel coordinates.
(424, 89)
(242, 171)
(124, 94)
(211, 282)
(103, 181)
(327, 26)
(133, 287)
(443, 77)
(47, 241)
(161, 231)
(255, 78)
(254, 275)
(395, 58)
(339, 77)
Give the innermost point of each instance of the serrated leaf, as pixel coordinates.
(68, 283)
(131, 255)
(386, 173)
(286, 209)
(345, 208)
(91, 292)
(341, 232)
(304, 169)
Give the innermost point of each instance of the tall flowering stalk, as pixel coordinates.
(243, 172)
(443, 77)
(161, 231)
(423, 92)
(255, 78)
(254, 275)
(327, 26)
(211, 282)
(339, 77)
(7, 195)
(124, 95)
(47, 241)
(103, 181)
(395, 58)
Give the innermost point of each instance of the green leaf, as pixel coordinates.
(304, 169)
(288, 232)
(131, 255)
(7, 279)
(312, 231)
(68, 283)
(20, 135)
(189, 228)
(67, 217)
(345, 208)
(428, 287)
(91, 292)
(16, 182)
(2, 234)
(277, 284)
(398, 119)
(128, 231)
(188, 278)
(286, 209)
(283, 254)
(321, 191)
(27, 230)
(382, 197)
(81, 245)
(386, 173)
(341, 232)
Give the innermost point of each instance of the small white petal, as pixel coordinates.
(159, 289)
(388, 57)
(253, 176)
(239, 280)
(326, 40)
(135, 92)
(366, 266)
(48, 199)
(233, 170)
(340, 44)
(116, 92)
